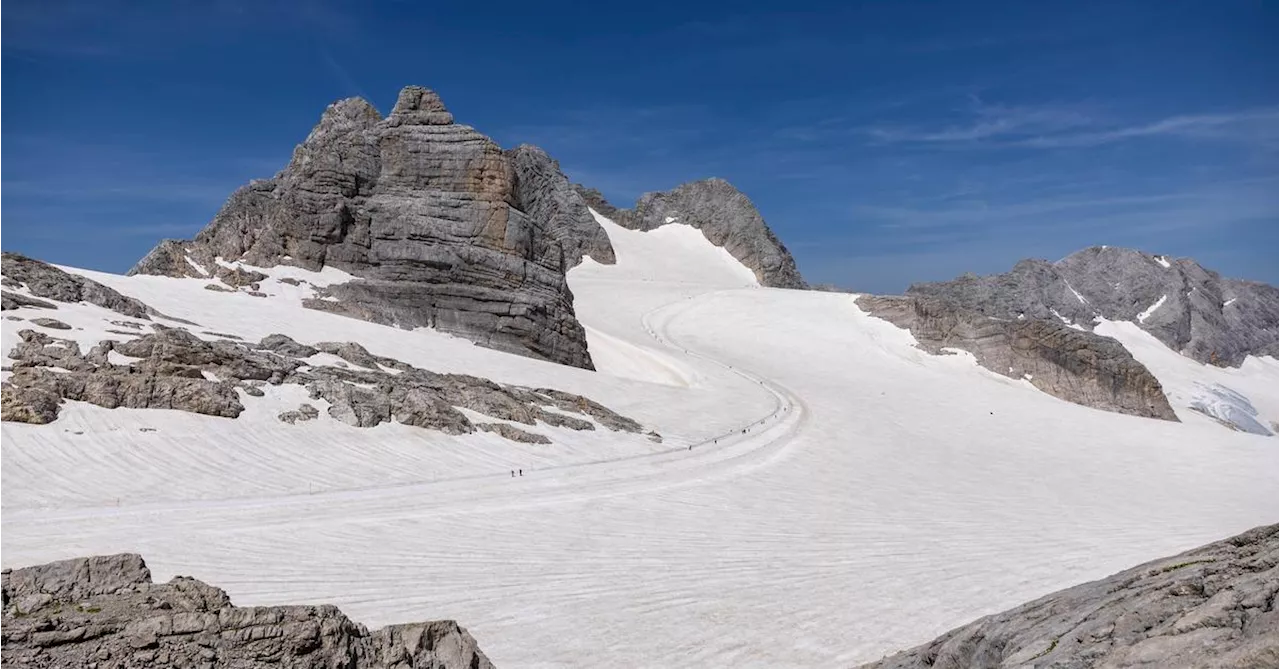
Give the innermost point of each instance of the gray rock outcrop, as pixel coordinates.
(1214, 606)
(440, 225)
(722, 213)
(105, 611)
(1191, 309)
(543, 192)
(171, 368)
(1074, 365)
(44, 280)
(51, 323)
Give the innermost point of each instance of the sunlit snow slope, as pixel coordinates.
(846, 495)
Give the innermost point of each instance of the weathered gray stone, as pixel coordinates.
(578, 404)
(1214, 606)
(561, 420)
(441, 226)
(17, 300)
(351, 404)
(177, 370)
(104, 611)
(284, 345)
(237, 277)
(1074, 365)
(722, 213)
(51, 323)
(1201, 315)
(304, 412)
(513, 433)
(543, 192)
(31, 403)
(351, 352)
(45, 280)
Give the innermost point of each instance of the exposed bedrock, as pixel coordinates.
(43, 280)
(1193, 310)
(1074, 365)
(440, 225)
(105, 611)
(723, 213)
(172, 369)
(1214, 606)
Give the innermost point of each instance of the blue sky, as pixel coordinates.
(885, 142)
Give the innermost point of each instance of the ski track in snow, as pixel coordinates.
(880, 496)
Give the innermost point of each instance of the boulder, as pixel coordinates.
(51, 323)
(513, 433)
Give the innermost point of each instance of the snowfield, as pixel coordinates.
(825, 492)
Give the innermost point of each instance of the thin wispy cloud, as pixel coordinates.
(1248, 124)
(998, 126)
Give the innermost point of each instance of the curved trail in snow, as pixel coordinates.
(735, 452)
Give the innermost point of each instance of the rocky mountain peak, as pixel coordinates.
(420, 106)
(440, 225)
(723, 213)
(1193, 310)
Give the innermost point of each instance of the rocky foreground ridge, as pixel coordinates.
(1070, 364)
(1193, 310)
(105, 612)
(1214, 606)
(156, 366)
(723, 213)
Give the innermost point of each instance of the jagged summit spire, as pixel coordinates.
(420, 106)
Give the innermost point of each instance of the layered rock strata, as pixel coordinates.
(105, 611)
(442, 228)
(1071, 364)
(1192, 310)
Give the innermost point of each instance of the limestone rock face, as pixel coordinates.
(171, 368)
(722, 213)
(442, 227)
(1214, 606)
(49, 282)
(104, 611)
(1074, 365)
(1191, 309)
(543, 192)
